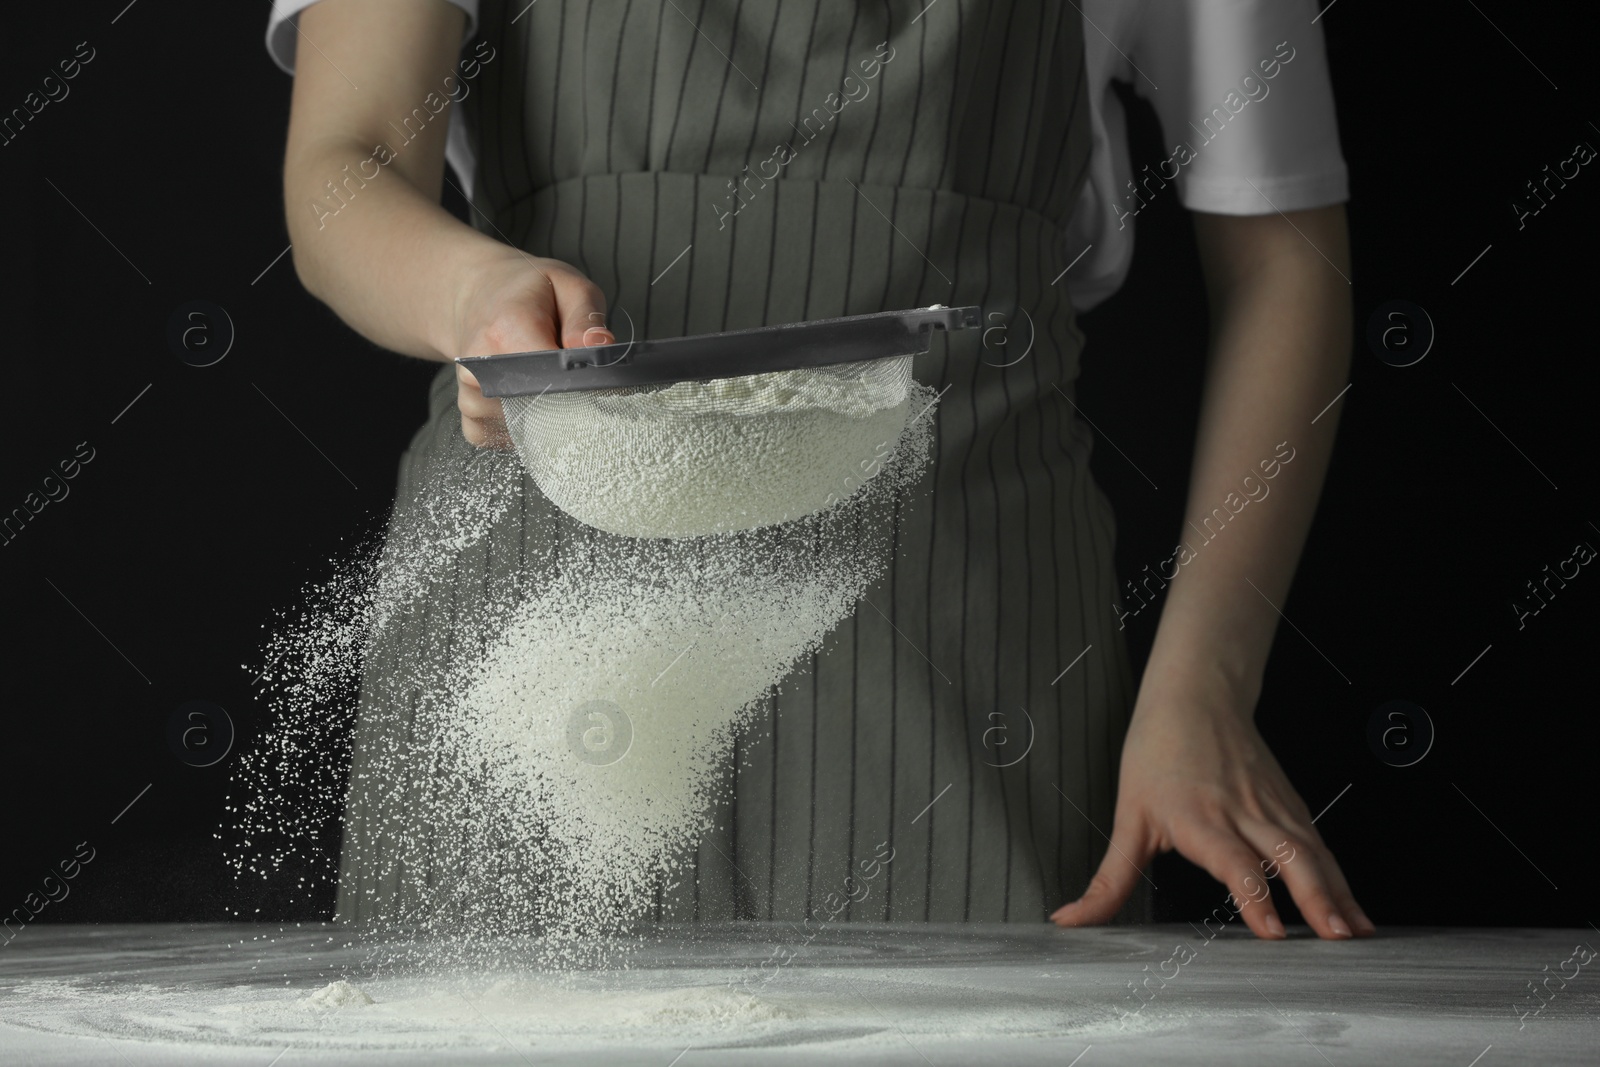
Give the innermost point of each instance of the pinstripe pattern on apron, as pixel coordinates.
(615, 135)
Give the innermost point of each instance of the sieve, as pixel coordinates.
(716, 433)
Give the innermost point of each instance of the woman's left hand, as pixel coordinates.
(1198, 777)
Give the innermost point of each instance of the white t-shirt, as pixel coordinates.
(1241, 88)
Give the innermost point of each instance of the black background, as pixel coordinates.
(204, 510)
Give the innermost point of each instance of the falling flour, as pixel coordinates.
(602, 717)
(542, 762)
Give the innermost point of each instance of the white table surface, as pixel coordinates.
(235, 994)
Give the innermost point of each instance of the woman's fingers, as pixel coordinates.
(518, 328)
(485, 433)
(524, 326)
(1314, 881)
(1237, 864)
(1233, 857)
(1363, 926)
(580, 309)
(470, 398)
(1308, 885)
(1123, 865)
(483, 421)
(522, 307)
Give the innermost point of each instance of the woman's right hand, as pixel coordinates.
(513, 302)
(370, 238)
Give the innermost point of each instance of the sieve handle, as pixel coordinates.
(625, 364)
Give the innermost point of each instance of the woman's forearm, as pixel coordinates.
(1196, 776)
(1280, 352)
(375, 86)
(386, 263)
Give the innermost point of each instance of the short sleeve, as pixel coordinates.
(282, 37)
(1245, 101)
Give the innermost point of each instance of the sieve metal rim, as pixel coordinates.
(730, 354)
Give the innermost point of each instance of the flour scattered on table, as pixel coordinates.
(841, 1011)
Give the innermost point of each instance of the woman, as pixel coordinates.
(724, 165)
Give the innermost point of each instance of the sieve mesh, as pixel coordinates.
(698, 458)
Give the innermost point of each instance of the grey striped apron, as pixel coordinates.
(640, 142)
